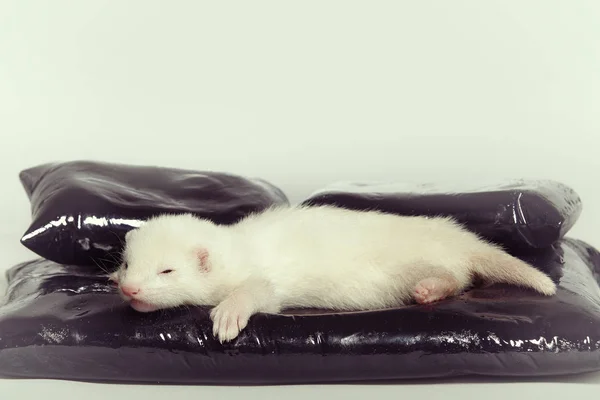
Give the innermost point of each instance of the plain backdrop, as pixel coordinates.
(302, 93)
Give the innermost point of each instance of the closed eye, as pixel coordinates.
(167, 271)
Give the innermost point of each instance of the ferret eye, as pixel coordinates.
(167, 271)
(124, 265)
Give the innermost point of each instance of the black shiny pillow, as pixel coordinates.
(518, 215)
(66, 322)
(82, 209)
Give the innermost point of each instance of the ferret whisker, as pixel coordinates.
(121, 242)
(115, 259)
(101, 267)
(106, 268)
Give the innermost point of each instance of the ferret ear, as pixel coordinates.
(203, 261)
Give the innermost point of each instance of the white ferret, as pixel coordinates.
(319, 257)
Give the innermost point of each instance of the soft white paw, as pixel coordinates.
(430, 290)
(229, 318)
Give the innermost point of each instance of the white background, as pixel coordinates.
(303, 93)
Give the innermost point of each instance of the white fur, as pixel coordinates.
(321, 257)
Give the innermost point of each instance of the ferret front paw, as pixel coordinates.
(229, 318)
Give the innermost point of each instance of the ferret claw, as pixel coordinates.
(229, 319)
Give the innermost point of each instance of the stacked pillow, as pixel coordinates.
(81, 210)
(62, 319)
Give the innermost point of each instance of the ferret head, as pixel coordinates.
(166, 263)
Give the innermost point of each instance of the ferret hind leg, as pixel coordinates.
(429, 284)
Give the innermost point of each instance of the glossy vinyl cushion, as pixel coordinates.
(519, 214)
(66, 322)
(81, 210)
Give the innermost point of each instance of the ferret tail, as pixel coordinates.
(497, 266)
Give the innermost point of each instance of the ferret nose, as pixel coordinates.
(129, 291)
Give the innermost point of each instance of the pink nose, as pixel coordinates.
(129, 291)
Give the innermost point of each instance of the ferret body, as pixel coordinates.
(320, 257)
